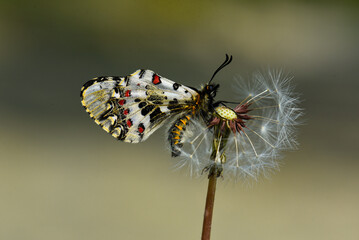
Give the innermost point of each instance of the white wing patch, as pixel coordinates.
(131, 108)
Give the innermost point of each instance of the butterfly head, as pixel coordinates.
(211, 90)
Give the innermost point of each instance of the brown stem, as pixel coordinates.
(208, 212)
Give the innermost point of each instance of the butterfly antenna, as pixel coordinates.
(225, 63)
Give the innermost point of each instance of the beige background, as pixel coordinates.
(62, 177)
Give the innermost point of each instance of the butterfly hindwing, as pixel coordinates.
(131, 108)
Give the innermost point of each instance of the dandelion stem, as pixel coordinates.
(208, 212)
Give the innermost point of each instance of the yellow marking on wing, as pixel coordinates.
(123, 79)
(135, 73)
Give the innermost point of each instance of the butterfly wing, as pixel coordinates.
(131, 108)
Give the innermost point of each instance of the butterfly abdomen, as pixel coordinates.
(175, 135)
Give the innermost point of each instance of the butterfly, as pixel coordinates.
(131, 108)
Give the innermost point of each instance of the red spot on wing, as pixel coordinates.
(138, 84)
(122, 101)
(156, 79)
(129, 123)
(140, 129)
(125, 111)
(128, 93)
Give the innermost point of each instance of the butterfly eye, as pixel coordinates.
(213, 94)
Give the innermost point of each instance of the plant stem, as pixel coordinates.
(208, 212)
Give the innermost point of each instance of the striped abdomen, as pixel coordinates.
(176, 134)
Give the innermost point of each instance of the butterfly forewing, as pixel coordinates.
(131, 108)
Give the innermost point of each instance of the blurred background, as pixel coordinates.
(62, 177)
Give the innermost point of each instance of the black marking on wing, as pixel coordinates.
(127, 81)
(147, 109)
(174, 101)
(156, 115)
(176, 108)
(105, 114)
(123, 132)
(111, 127)
(155, 99)
(117, 90)
(142, 104)
(142, 72)
(176, 86)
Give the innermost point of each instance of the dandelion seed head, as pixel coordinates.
(261, 127)
(225, 113)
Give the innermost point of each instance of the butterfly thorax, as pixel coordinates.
(206, 99)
